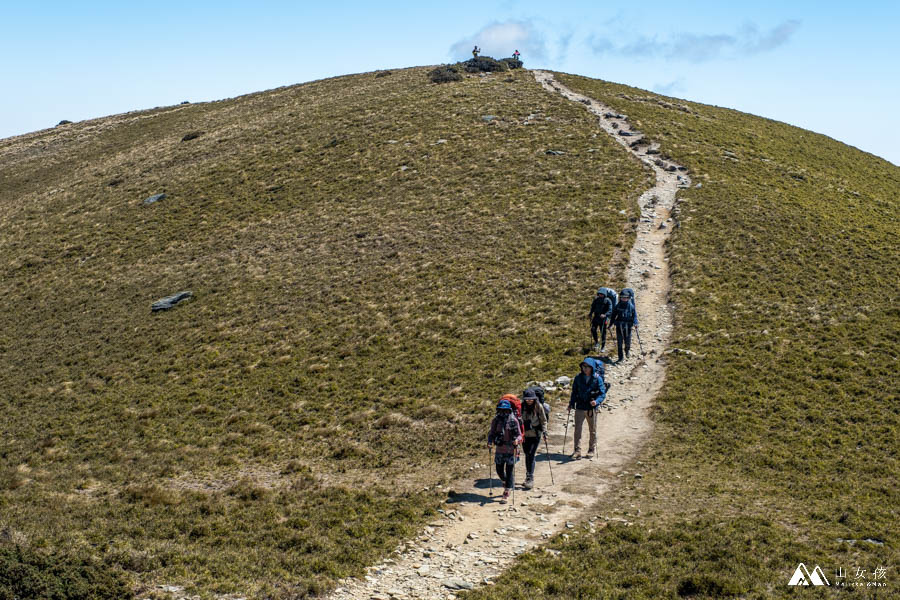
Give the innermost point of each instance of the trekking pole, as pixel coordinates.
(490, 472)
(568, 414)
(515, 460)
(638, 332)
(547, 448)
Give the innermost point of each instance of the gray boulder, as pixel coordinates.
(170, 301)
(154, 198)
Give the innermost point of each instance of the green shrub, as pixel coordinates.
(484, 64)
(444, 74)
(511, 63)
(26, 574)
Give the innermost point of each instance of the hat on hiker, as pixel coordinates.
(530, 395)
(504, 405)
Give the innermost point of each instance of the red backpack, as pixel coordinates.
(517, 407)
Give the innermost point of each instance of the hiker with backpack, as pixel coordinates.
(534, 418)
(475, 51)
(506, 435)
(516, 55)
(624, 317)
(588, 393)
(600, 314)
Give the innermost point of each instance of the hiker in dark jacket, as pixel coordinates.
(506, 434)
(535, 419)
(599, 316)
(624, 317)
(588, 392)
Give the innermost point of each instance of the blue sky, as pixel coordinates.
(828, 66)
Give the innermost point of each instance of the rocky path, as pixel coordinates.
(461, 549)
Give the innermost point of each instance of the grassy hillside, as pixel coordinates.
(374, 260)
(778, 440)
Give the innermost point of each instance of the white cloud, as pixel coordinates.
(501, 39)
(700, 47)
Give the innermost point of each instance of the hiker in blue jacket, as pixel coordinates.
(588, 392)
(624, 317)
(506, 434)
(599, 315)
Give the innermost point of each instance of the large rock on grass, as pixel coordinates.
(170, 301)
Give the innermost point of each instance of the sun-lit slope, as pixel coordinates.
(779, 437)
(373, 261)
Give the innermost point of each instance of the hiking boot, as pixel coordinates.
(504, 497)
(576, 455)
(529, 483)
(589, 455)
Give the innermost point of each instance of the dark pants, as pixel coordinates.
(530, 446)
(623, 336)
(602, 325)
(507, 473)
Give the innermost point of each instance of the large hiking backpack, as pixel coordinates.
(609, 293)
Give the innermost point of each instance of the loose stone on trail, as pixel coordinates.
(455, 583)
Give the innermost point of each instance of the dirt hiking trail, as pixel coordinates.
(461, 549)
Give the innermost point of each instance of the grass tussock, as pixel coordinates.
(777, 439)
(372, 264)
